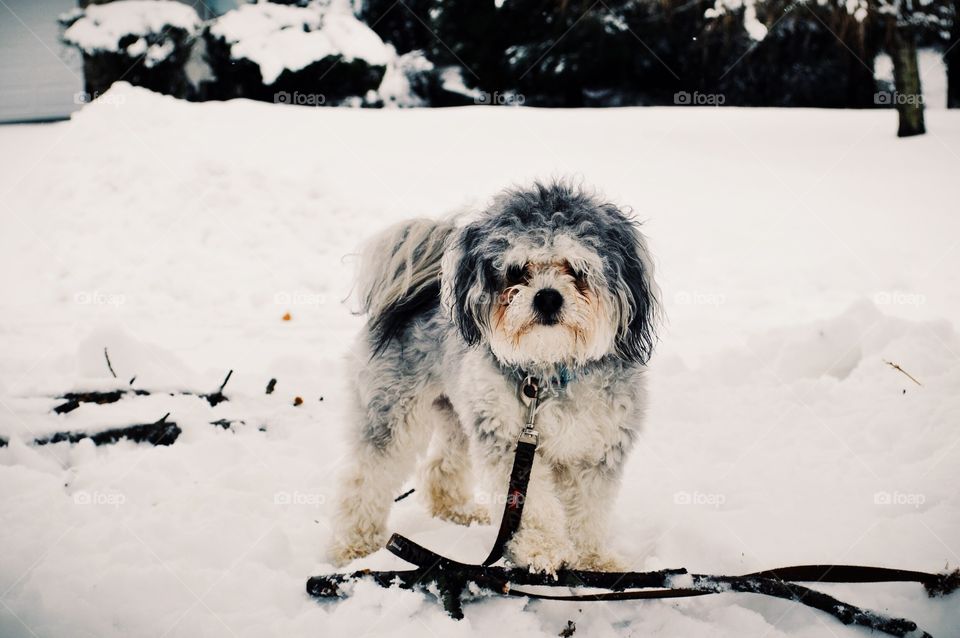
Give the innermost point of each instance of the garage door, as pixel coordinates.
(39, 77)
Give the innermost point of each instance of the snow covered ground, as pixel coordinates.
(797, 250)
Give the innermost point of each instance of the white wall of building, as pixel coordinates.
(39, 77)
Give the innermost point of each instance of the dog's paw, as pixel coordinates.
(465, 515)
(539, 551)
(344, 550)
(599, 562)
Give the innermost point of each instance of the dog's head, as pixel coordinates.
(551, 275)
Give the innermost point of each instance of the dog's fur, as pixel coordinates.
(453, 329)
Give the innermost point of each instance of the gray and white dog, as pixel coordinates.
(549, 281)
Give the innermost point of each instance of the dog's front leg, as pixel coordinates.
(541, 542)
(588, 494)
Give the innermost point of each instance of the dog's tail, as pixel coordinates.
(399, 275)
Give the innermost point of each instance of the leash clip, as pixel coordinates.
(529, 435)
(530, 396)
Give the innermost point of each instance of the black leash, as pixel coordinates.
(453, 577)
(935, 584)
(520, 473)
(516, 489)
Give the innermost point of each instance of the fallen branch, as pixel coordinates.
(899, 369)
(453, 582)
(161, 432)
(74, 399)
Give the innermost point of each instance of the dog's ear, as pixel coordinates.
(636, 292)
(464, 280)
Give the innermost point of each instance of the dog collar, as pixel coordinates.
(553, 380)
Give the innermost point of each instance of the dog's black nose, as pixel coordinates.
(548, 302)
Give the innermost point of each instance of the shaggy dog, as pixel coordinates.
(549, 281)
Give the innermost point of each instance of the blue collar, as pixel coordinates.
(557, 378)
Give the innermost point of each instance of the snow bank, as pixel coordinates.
(132, 27)
(777, 434)
(279, 37)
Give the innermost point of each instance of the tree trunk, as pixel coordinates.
(952, 60)
(908, 96)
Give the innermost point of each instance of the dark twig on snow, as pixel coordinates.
(109, 365)
(217, 397)
(405, 495)
(74, 399)
(161, 432)
(899, 369)
(226, 424)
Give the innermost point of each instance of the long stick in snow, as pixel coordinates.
(454, 582)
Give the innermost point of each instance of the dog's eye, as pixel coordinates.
(573, 272)
(516, 275)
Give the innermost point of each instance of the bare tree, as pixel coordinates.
(899, 19)
(952, 59)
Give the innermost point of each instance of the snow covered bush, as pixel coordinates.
(412, 80)
(266, 50)
(144, 42)
(408, 81)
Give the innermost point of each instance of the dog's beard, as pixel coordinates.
(582, 332)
